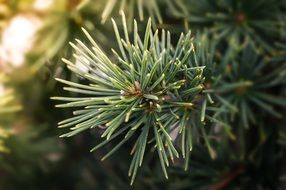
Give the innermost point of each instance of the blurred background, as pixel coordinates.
(34, 36)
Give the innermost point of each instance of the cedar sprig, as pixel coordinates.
(153, 91)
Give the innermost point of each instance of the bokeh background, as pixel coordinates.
(34, 38)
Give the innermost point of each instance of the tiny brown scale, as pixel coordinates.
(240, 17)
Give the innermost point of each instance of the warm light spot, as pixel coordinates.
(42, 5)
(17, 39)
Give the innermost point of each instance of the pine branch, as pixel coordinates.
(227, 179)
(246, 89)
(234, 22)
(153, 88)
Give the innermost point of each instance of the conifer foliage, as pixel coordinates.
(153, 89)
(170, 94)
